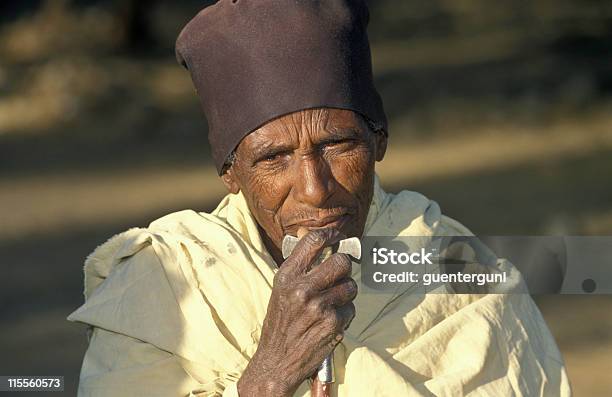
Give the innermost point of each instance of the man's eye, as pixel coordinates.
(339, 143)
(273, 157)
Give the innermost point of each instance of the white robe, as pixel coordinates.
(176, 310)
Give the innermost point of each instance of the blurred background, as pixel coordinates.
(500, 111)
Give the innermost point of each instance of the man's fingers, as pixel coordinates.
(333, 325)
(330, 271)
(340, 294)
(309, 248)
(346, 314)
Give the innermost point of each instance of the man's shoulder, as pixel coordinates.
(180, 222)
(412, 212)
(158, 284)
(165, 234)
(140, 282)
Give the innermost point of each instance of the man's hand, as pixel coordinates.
(308, 311)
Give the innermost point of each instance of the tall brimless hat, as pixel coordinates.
(252, 61)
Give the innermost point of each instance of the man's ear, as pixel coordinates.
(229, 180)
(381, 144)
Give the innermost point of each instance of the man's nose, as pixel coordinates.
(314, 183)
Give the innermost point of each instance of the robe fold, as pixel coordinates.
(176, 309)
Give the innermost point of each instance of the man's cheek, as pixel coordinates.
(268, 189)
(354, 172)
(356, 175)
(266, 203)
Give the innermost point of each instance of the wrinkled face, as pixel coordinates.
(312, 169)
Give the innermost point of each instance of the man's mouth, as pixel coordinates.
(333, 221)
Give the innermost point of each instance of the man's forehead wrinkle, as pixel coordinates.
(322, 118)
(276, 133)
(303, 128)
(313, 122)
(305, 121)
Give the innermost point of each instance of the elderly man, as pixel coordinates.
(205, 304)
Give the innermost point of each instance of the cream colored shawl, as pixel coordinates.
(176, 310)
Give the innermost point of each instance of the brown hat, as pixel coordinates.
(252, 61)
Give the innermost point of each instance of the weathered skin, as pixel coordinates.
(313, 169)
